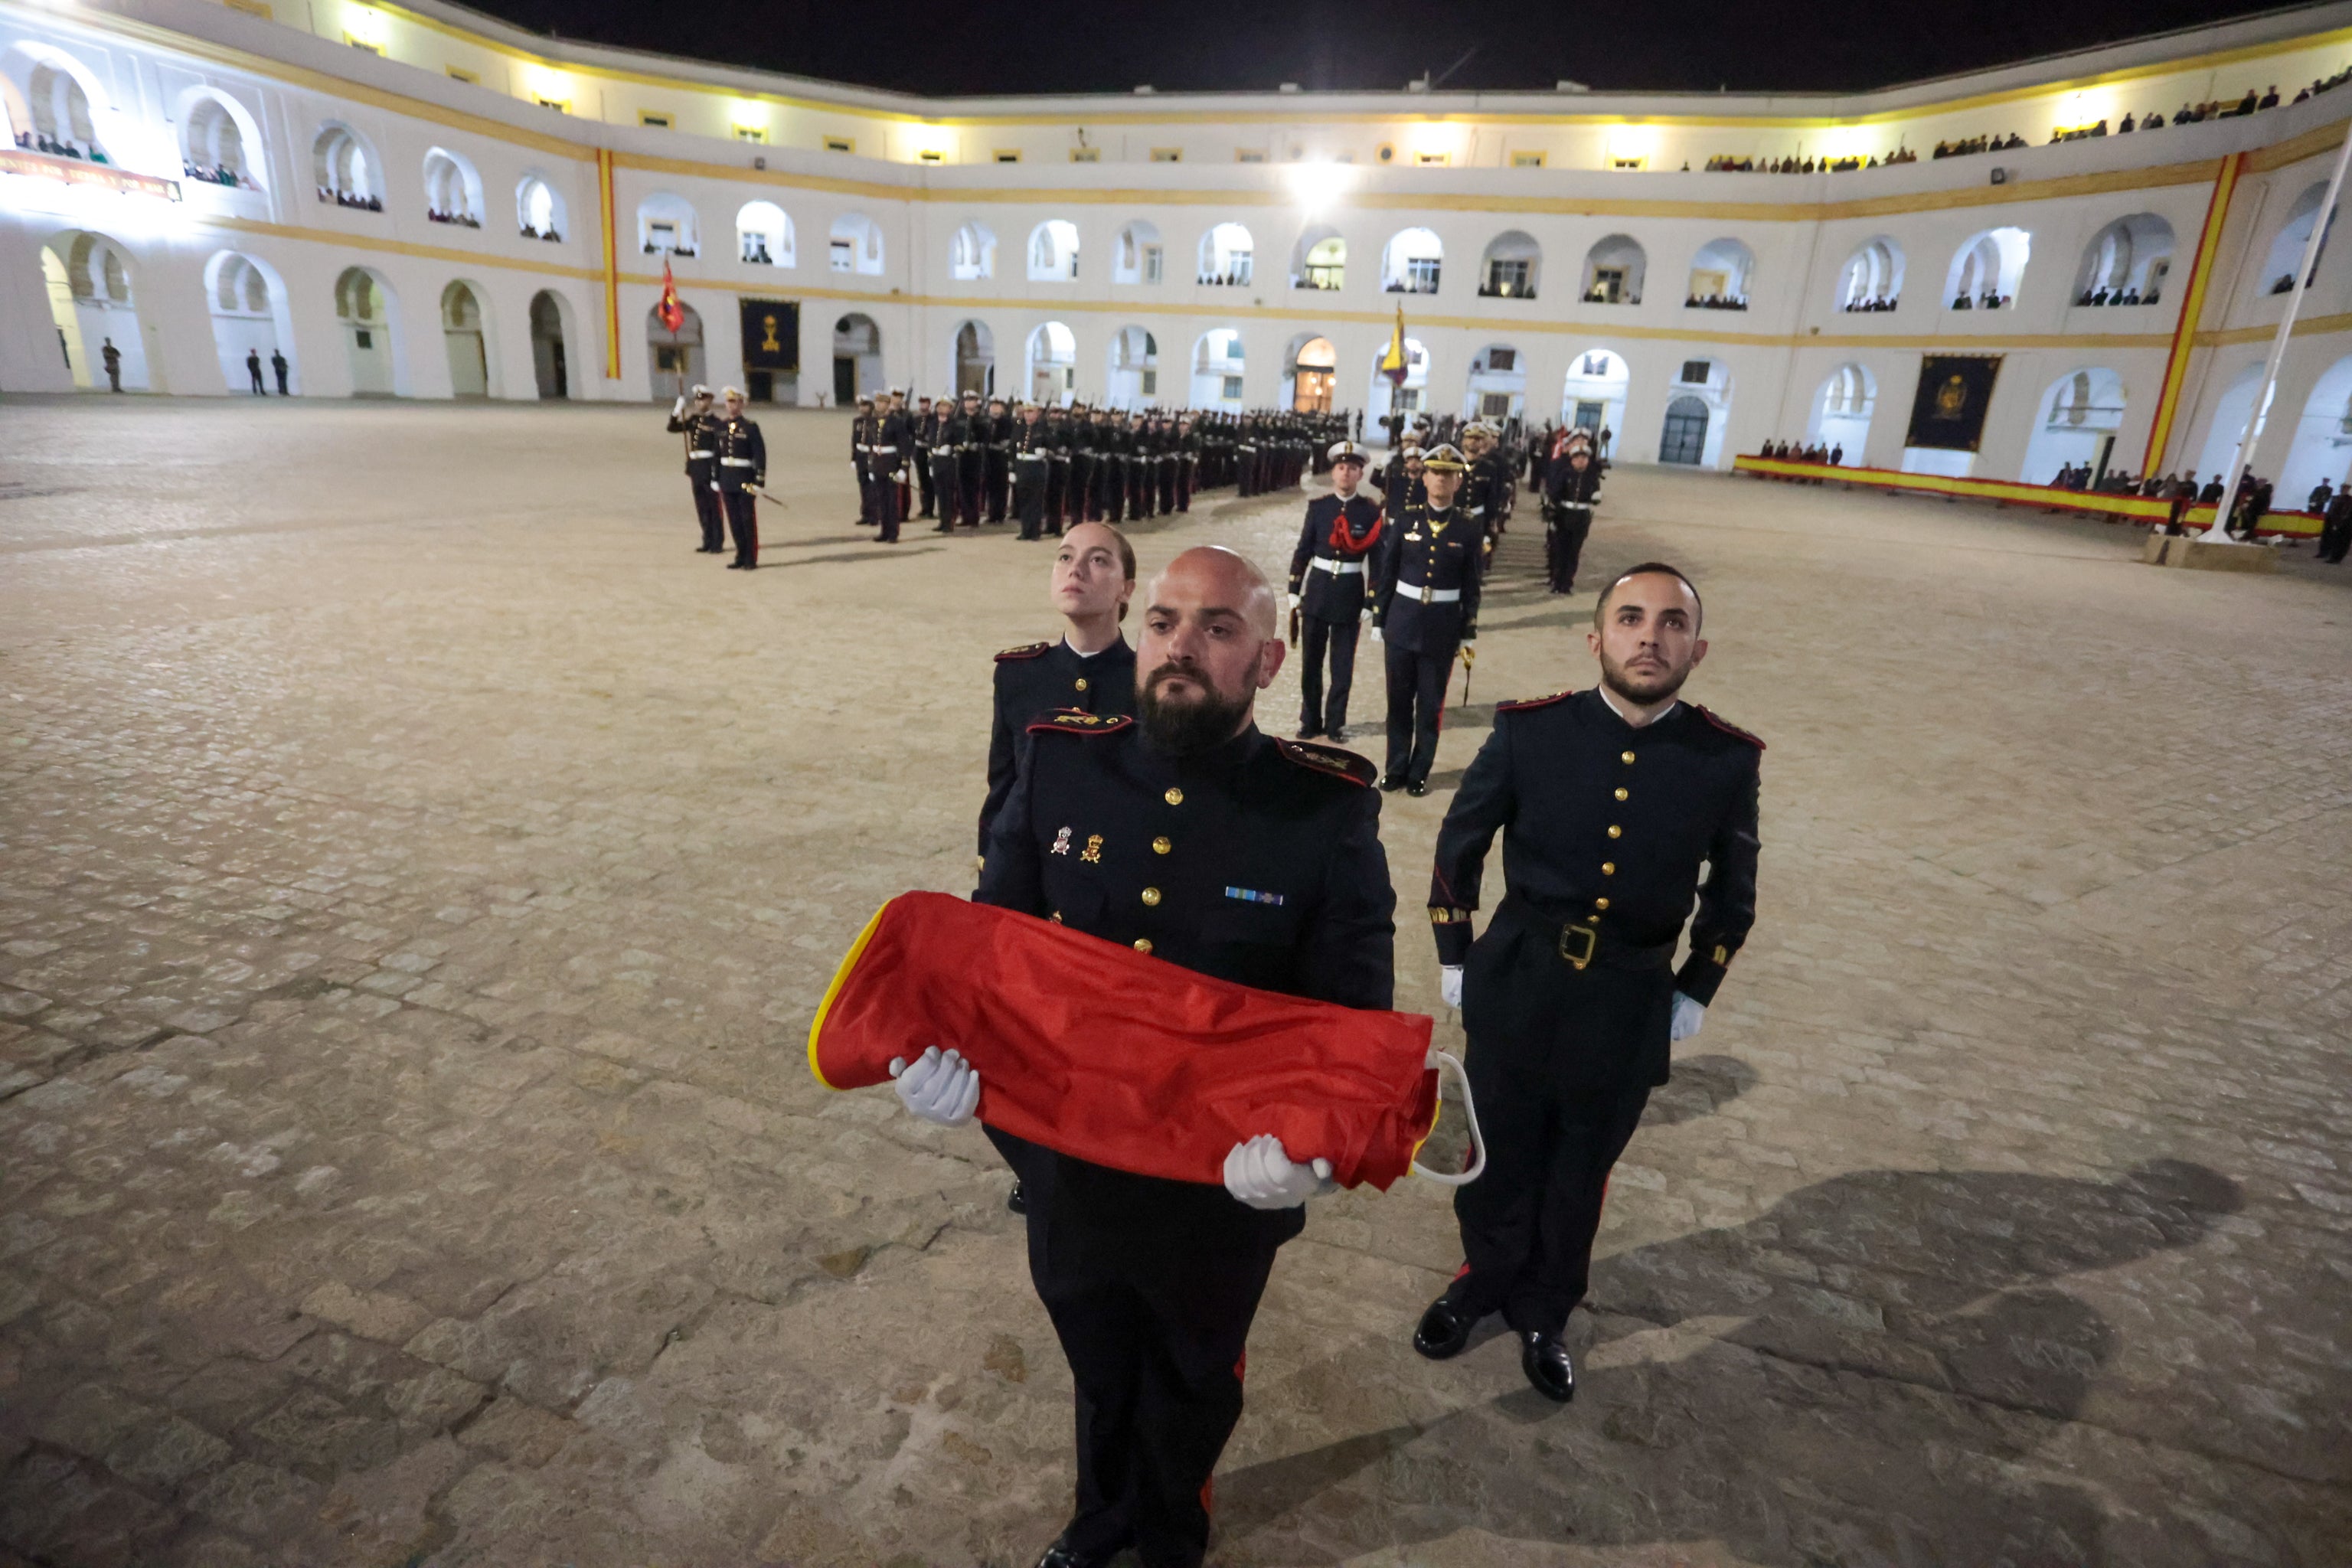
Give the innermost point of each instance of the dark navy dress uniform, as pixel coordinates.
(741, 467)
(1035, 680)
(701, 460)
(886, 461)
(1567, 997)
(1331, 573)
(1258, 861)
(1032, 446)
(1426, 605)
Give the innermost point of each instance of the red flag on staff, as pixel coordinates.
(671, 310)
(1098, 1051)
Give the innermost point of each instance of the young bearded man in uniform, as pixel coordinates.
(1609, 802)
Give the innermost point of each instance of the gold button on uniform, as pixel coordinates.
(1621, 792)
(1151, 897)
(1161, 847)
(1629, 756)
(1598, 905)
(1082, 683)
(1143, 944)
(1174, 796)
(1609, 868)
(1615, 831)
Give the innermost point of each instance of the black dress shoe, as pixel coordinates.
(734, 567)
(1016, 1200)
(1337, 735)
(1443, 1330)
(1545, 1361)
(1062, 1555)
(1418, 787)
(1309, 732)
(1392, 781)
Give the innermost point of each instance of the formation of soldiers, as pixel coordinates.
(968, 460)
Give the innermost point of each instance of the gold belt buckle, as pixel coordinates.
(1567, 935)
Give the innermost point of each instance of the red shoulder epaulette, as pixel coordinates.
(1078, 722)
(1331, 759)
(1026, 650)
(1726, 726)
(1514, 705)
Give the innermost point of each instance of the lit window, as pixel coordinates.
(840, 144)
(752, 133)
(930, 155)
(1629, 163)
(1429, 160)
(1008, 155)
(556, 104)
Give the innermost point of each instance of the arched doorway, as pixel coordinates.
(1134, 369)
(1217, 361)
(2080, 415)
(1053, 364)
(1387, 397)
(2322, 437)
(674, 360)
(1841, 410)
(1313, 367)
(1684, 439)
(1593, 396)
(2228, 423)
(975, 359)
(856, 359)
(364, 304)
(1498, 383)
(462, 334)
(549, 363)
(92, 305)
(249, 317)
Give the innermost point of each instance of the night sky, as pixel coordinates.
(1089, 46)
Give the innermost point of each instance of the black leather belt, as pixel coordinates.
(1582, 944)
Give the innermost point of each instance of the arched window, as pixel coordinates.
(1718, 277)
(666, 226)
(1053, 364)
(1139, 257)
(346, 169)
(971, 253)
(1872, 279)
(2277, 275)
(2080, 414)
(1227, 258)
(453, 190)
(214, 141)
(1511, 268)
(1217, 369)
(975, 359)
(855, 244)
(1319, 259)
(763, 235)
(1134, 369)
(1053, 250)
(1986, 270)
(1412, 261)
(2125, 262)
(539, 211)
(64, 117)
(1841, 410)
(1613, 271)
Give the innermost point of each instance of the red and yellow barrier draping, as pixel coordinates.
(2016, 492)
(1096, 1050)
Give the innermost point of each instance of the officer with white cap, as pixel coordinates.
(1330, 596)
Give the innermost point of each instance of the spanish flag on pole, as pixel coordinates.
(1393, 362)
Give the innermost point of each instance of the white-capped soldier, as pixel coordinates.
(1330, 590)
(691, 418)
(1428, 570)
(741, 468)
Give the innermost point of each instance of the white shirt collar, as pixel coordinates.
(1608, 697)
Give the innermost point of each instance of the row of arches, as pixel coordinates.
(94, 306)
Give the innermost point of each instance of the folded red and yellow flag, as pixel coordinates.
(1098, 1051)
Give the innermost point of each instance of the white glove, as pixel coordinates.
(1294, 601)
(1376, 634)
(1260, 1173)
(1449, 985)
(1367, 616)
(1688, 1017)
(678, 408)
(939, 1088)
(714, 484)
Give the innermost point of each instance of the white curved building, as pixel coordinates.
(416, 201)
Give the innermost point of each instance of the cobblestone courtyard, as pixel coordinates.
(418, 869)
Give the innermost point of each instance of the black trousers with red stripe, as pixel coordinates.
(1151, 1286)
